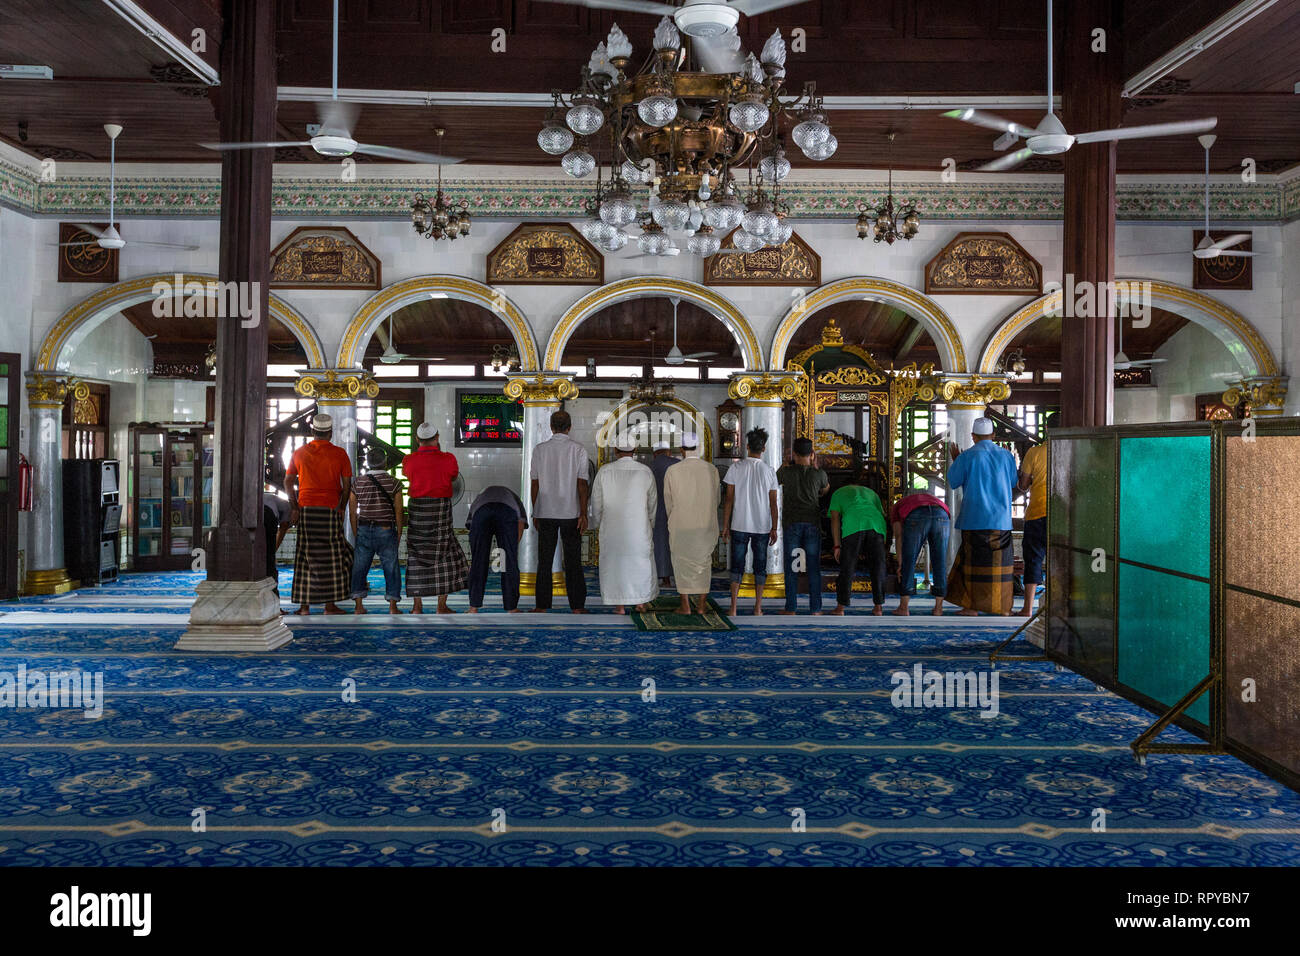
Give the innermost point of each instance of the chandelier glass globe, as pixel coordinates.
(653, 242)
(749, 113)
(782, 233)
(618, 209)
(724, 213)
(823, 150)
(578, 163)
(633, 173)
(615, 241)
(597, 230)
(759, 220)
(584, 118)
(774, 168)
(657, 110)
(672, 214)
(704, 243)
(810, 132)
(555, 139)
(746, 241)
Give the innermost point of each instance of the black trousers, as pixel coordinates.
(566, 529)
(502, 523)
(870, 545)
(271, 526)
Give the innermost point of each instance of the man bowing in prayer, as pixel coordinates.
(691, 492)
(660, 464)
(319, 480)
(980, 579)
(623, 503)
(435, 561)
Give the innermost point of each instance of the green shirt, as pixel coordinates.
(801, 486)
(860, 508)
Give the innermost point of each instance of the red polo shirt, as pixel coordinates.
(321, 467)
(429, 472)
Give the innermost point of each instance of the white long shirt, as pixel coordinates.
(623, 503)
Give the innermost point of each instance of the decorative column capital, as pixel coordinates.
(766, 388)
(541, 388)
(1264, 395)
(49, 389)
(336, 385)
(973, 391)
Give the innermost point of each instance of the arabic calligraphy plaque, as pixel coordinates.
(545, 254)
(794, 263)
(85, 263)
(331, 257)
(989, 263)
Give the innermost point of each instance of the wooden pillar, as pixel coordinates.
(1090, 95)
(246, 111)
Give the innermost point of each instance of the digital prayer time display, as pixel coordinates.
(487, 418)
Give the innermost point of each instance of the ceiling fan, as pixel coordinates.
(1209, 248)
(110, 238)
(1050, 136)
(675, 356)
(1123, 362)
(711, 24)
(390, 355)
(332, 137)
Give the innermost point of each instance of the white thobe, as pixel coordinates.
(691, 495)
(623, 503)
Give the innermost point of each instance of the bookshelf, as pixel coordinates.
(171, 493)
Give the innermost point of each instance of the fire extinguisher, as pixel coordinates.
(24, 484)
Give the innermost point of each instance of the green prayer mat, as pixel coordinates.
(663, 616)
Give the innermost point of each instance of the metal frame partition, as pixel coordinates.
(1174, 580)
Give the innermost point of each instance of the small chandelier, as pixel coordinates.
(505, 356)
(440, 219)
(1012, 365)
(890, 223)
(651, 391)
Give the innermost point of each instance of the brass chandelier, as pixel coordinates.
(682, 133)
(441, 218)
(890, 223)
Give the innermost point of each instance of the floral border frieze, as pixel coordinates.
(1278, 200)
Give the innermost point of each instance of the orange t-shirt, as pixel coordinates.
(321, 467)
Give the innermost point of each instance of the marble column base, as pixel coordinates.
(235, 616)
(52, 581)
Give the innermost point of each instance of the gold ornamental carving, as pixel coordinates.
(542, 253)
(851, 375)
(989, 263)
(50, 391)
(540, 390)
(828, 442)
(792, 263)
(1263, 396)
(337, 385)
(330, 257)
(975, 391)
(765, 388)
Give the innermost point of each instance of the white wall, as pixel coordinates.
(1196, 363)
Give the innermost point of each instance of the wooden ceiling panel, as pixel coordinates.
(889, 334)
(628, 332)
(1041, 342)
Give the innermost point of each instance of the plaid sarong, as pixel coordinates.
(980, 578)
(435, 561)
(322, 560)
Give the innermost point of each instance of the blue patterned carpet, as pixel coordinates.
(456, 724)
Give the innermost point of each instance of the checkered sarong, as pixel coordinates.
(435, 561)
(322, 560)
(980, 578)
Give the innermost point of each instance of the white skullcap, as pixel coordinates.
(627, 442)
(662, 445)
(982, 426)
(690, 440)
(425, 431)
(321, 422)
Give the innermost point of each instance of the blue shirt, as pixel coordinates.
(986, 473)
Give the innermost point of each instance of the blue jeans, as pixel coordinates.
(925, 525)
(808, 536)
(1034, 548)
(499, 522)
(373, 541)
(757, 543)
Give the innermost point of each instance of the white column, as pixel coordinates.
(46, 573)
(968, 397)
(765, 395)
(541, 394)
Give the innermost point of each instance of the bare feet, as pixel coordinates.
(393, 608)
(839, 610)
(443, 609)
(304, 610)
(684, 607)
(472, 610)
(878, 610)
(418, 607)
(937, 612)
(579, 610)
(758, 610)
(816, 613)
(515, 610)
(540, 610)
(360, 608)
(620, 609)
(901, 611)
(333, 608)
(732, 611)
(967, 612)
(784, 612)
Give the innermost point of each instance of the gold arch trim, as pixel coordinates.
(120, 295)
(391, 298)
(952, 352)
(1188, 303)
(645, 286)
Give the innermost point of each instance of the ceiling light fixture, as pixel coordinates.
(440, 219)
(889, 223)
